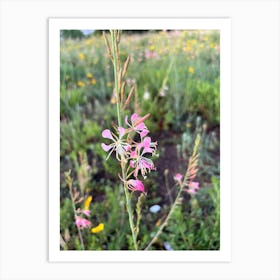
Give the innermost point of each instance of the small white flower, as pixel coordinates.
(146, 95)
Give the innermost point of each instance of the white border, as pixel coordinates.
(24, 139)
(222, 255)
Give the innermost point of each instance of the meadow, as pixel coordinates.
(175, 79)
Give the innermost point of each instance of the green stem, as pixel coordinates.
(166, 219)
(128, 200)
(130, 215)
(74, 209)
(115, 62)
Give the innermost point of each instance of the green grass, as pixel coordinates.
(178, 83)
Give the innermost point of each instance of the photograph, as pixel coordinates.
(139, 140)
(135, 138)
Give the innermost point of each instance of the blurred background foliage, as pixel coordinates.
(177, 78)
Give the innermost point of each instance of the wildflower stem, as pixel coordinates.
(166, 219)
(115, 63)
(130, 216)
(116, 75)
(74, 209)
(192, 166)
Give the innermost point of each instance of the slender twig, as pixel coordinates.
(166, 219)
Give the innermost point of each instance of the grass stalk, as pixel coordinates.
(116, 75)
(69, 182)
(115, 63)
(166, 219)
(182, 184)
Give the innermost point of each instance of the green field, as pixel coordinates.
(176, 75)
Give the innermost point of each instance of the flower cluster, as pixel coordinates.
(191, 187)
(82, 222)
(133, 152)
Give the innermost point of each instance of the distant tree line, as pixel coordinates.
(80, 34)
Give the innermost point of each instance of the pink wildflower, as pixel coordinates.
(107, 134)
(193, 187)
(81, 222)
(148, 145)
(150, 54)
(137, 124)
(141, 163)
(178, 177)
(86, 212)
(135, 185)
(118, 145)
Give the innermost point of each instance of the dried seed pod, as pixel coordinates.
(107, 46)
(118, 35)
(119, 79)
(126, 66)
(132, 90)
(123, 90)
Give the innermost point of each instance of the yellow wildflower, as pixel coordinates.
(188, 125)
(97, 229)
(82, 56)
(89, 75)
(188, 47)
(87, 203)
(152, 47)
(109, 84)
(201, 46)
(113, 99)
(88, 41)
(93, 81)
(193, 41)
(80, 84)
(212, 45)
(191, 69)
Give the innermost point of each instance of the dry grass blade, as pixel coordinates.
(132, 90)
(125, 66)
(123, 90)
(193, 163)
(107, 46)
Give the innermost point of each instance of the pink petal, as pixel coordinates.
(148, 150)
(146, 164)
(127, 147)
(140, 126)
(133, 154)
(85, 223)
(134, 117)
(191, 191)
(121, 131)
(144, 132)
(146, 145)
(107, 134)
(178, 177)
(139, 186)
(126, 120)
(86, 212)
(105, 147)
(194, 185)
